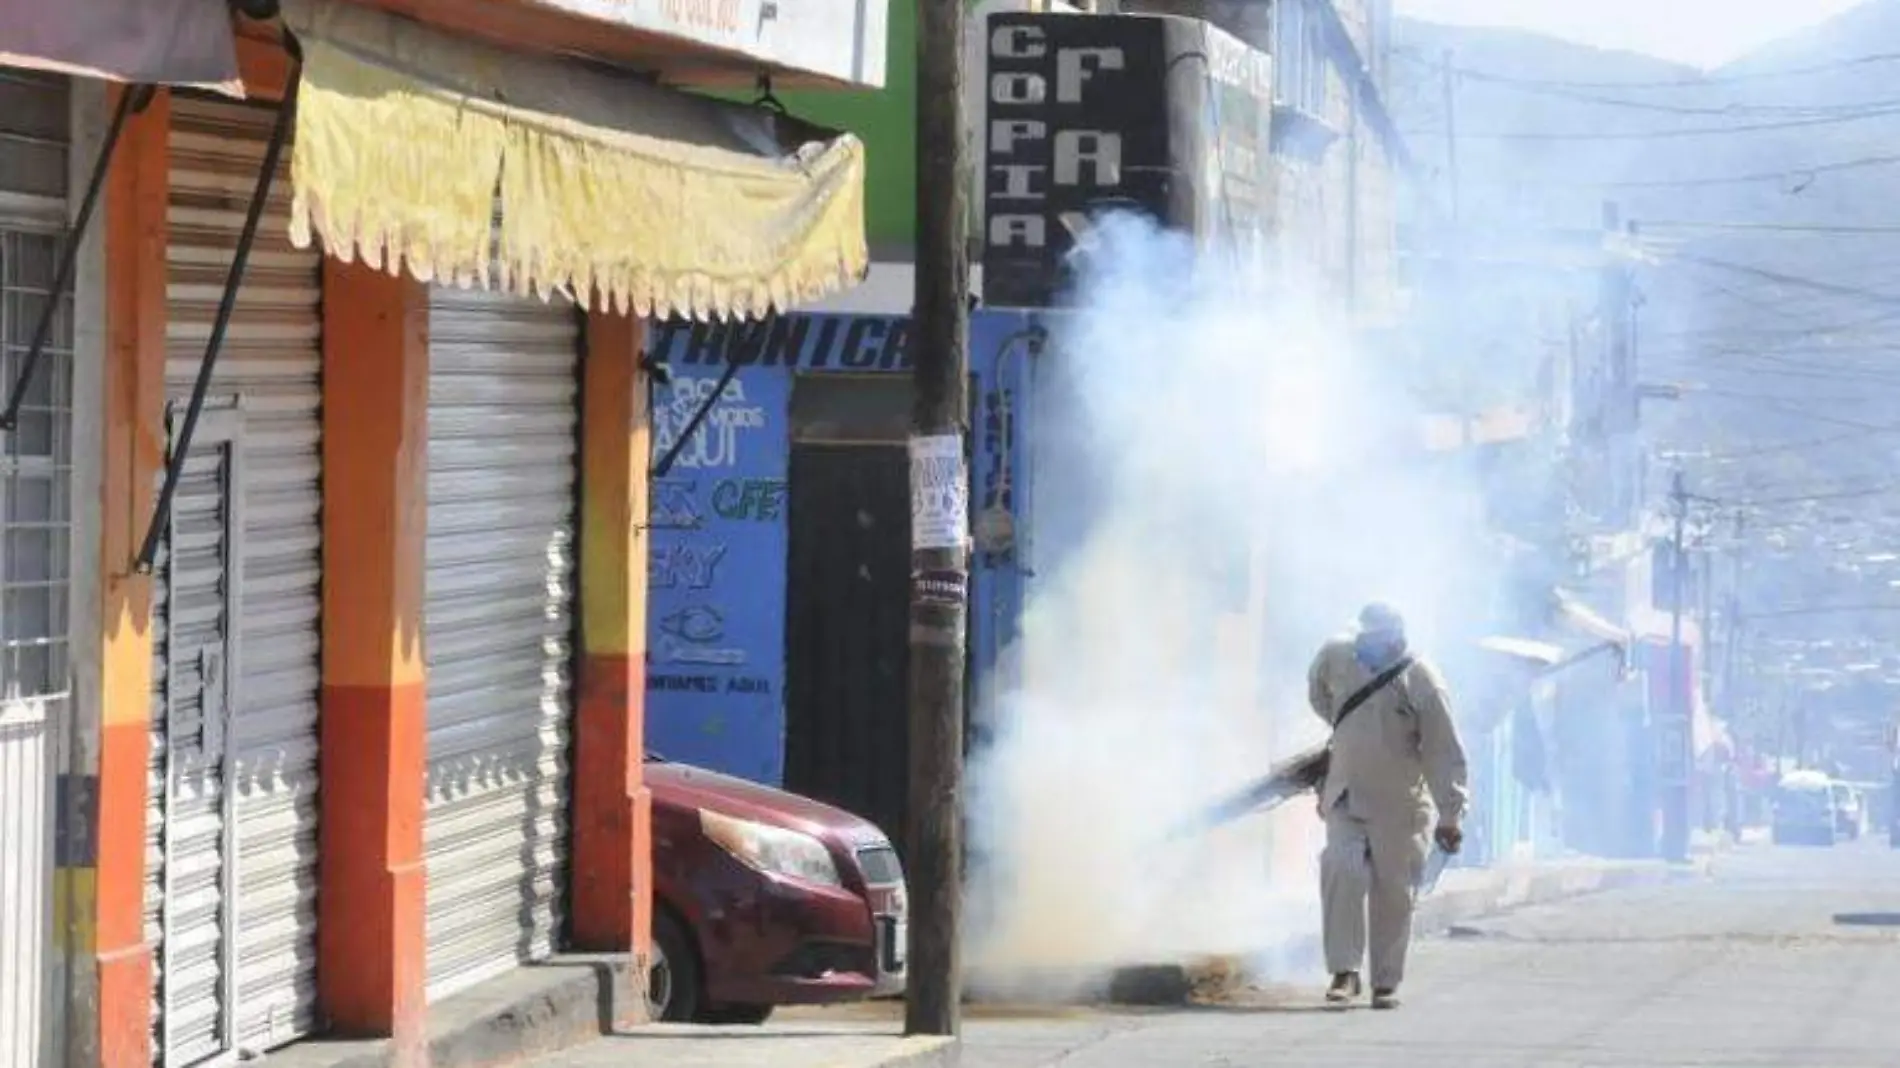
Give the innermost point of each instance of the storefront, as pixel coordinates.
(358, 451)
(500, 583)
(780, 560)
(237, 584)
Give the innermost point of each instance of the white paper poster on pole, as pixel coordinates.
(939, 493)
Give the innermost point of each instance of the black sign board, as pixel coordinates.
(1086, 114)
(1076, 122)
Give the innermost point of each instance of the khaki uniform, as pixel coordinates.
(1393, 760)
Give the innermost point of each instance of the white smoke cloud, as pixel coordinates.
(1218, 485)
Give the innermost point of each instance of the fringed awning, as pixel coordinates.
(155, 42)
(468, 164)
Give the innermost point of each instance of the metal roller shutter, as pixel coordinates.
(245, 616)
(503, 419)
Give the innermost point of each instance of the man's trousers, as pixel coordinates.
(1369, 876)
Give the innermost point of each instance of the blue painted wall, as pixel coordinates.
(1004, 349)
(717, 568)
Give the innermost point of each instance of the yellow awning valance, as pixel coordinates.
(469, 164)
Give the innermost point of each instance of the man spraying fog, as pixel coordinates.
(1395, 757)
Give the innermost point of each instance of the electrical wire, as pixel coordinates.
(1732, 109)
(1815, 498)
(1808, 173)
(1698, 81)
(1781, 407)
(1773, 370)
(1820, 609)
(1798, 281)
(1656, 135)
(1769, 227)
(1801, 446)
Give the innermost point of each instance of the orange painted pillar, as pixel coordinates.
(371, 942)
(613, 862)
(133, 454)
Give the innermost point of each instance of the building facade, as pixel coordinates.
(325, 514)
(1338, 160)
(781, 555)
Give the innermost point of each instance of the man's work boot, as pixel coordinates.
(1345, 987)
(1385, 997)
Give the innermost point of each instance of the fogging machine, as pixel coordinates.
(1305, 772)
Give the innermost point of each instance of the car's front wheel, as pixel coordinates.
(673, 975)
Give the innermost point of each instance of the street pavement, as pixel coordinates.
(1782, 957)
(1779, 958)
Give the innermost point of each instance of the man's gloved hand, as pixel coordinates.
(1449, 837)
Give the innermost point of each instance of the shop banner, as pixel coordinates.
(838, 39)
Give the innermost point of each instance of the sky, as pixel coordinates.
(1702, 33)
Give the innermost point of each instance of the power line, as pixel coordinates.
(1808, 173)
(1815, 498)
(1696, 81)
(1789, 279)
(1782, 407)
(1770, 227)
(1843, 375)
(1733, 108)
(1654, 135)
(1775, 303)
(1801, 446)
(1821, 609)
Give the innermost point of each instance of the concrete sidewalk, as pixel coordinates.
(1470, 893)
(561, 1014)
(797, 1043)
(866, 1035)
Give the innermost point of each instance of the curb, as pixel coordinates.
(917, 1052)
(1516, 889)
(536, 1011)
(888, 1050)
(576, 1009)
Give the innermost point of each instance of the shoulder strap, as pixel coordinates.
(1364, 693)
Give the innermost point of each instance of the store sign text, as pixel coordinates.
(800, 342)
(1022, 134)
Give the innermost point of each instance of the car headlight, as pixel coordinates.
(774, 850)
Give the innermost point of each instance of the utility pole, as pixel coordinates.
(940, 570)
(1352, 196)
(1451, 132)
(1731, 648)
(1677, 746)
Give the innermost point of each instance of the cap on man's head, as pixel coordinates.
(1380, 618)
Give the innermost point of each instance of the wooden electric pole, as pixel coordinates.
(939, 478)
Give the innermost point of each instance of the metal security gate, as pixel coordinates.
(231, 891)
(847, 736)
(197, 594)
(498, 621)
(35, 533)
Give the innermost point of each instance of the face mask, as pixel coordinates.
(1378, 650)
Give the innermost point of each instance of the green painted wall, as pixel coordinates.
(885, 119)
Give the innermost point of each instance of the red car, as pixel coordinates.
(764, 898)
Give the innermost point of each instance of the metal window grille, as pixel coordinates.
(35, 475)
(32, 134)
